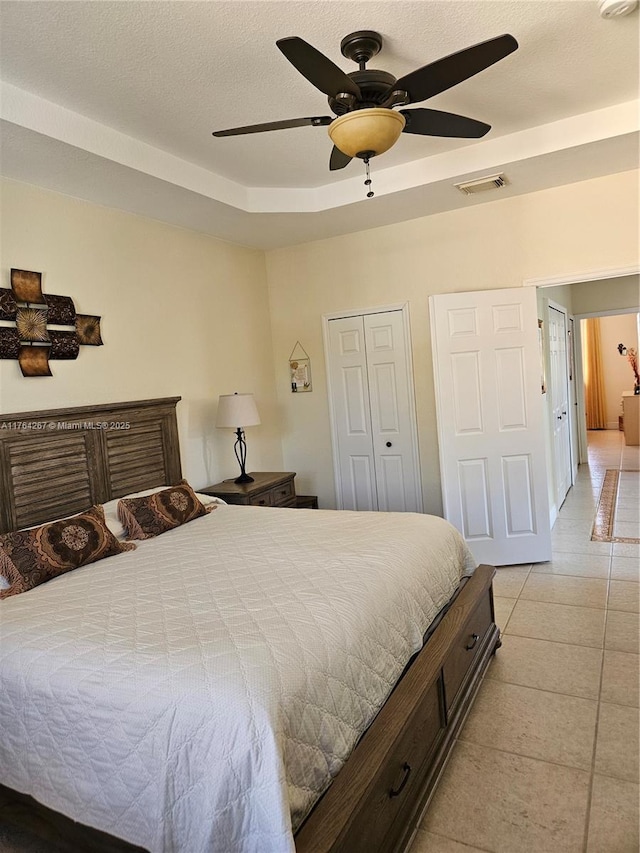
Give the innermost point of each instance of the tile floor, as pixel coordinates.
(547, 761)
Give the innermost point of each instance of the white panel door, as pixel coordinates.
(373, 415)
(559, 404)
(352, 413)
(490, 423)
(391, 415)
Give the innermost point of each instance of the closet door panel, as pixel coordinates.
(352, 413)
(391, 419)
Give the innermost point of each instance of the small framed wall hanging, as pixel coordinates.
(299, 369)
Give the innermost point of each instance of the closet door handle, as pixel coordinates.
(389, 444)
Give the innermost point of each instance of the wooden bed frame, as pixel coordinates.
(57, 462)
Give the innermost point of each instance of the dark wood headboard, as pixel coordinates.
(57, 462)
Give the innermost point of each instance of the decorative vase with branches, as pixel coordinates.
(632, 358)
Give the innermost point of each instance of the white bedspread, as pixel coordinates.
(199, 693)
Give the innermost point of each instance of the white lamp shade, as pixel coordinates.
(237, 410)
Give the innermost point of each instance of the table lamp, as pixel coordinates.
(236, 411)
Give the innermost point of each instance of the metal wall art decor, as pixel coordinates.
(300, 370)
(30, 325)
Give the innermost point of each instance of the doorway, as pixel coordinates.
(559, 407)
(372, 410)
(608, 341)
(580, 297)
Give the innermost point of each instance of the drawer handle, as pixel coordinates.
(475, 638)
(395, 792)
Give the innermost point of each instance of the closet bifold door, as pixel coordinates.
(352, 413)
(390, 380)
(373, 413)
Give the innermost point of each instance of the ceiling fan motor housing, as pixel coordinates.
(374, 86)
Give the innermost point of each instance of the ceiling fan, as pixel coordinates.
(363, 101)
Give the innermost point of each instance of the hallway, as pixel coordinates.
(547, 761)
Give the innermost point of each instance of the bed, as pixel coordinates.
(156, 698)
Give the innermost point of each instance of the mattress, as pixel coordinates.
(200, 693)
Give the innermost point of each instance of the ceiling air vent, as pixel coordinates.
(480, 185)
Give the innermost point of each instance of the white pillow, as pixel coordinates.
(207, 500)
(111, 508)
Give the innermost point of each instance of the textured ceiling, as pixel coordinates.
(168, 73)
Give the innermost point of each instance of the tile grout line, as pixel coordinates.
(594, 751)
(558, 642)
(461, 843)
(567, 604)
(554, 692)
(527, 757)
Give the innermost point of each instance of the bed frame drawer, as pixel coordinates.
(462, 656)
(392, 796)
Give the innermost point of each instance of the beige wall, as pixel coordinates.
(185, 314)
(182, 314)
(586, 226)
(616, 370)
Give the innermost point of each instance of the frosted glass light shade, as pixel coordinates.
(374, 131)
(237, 410)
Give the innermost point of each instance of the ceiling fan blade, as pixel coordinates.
(314, 121)
(438, 123)
(317, 68)
(338, 160)
(444, 73)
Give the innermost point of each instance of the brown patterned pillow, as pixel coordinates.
(31, 557)
(154, 514)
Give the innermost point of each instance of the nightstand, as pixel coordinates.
(307, 501)
(270, 488)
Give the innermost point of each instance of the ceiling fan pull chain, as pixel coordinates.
(367, 183)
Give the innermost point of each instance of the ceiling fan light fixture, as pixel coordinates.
(367, 132)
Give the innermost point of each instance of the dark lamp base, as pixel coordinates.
(244, 478)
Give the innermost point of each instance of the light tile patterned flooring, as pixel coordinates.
(547, 761)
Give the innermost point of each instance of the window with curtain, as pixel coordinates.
(594, 398)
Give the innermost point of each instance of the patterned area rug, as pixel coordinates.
(605, 514)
